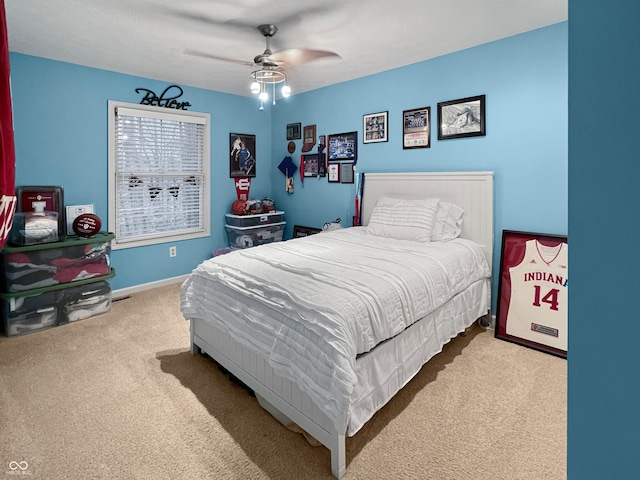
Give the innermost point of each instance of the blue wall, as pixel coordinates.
(525, 80)
(61, 138)
(604, 167)
(60, 124)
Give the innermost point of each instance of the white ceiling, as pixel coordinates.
(148, 38)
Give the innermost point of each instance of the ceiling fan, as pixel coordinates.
(269, 60)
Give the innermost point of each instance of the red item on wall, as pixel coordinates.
(302, 168)
(243, 185)
(7, 147)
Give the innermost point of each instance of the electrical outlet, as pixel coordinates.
(173, 251)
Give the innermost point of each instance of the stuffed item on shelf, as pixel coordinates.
(238, 207)
(253, 206)
(335, 225)
(268, 205)
(247, 207)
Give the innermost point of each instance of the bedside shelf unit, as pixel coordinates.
(50, 284)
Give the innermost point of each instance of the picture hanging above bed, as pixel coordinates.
(416, 128)
(376, 127)
(343, 146)
(464, 117)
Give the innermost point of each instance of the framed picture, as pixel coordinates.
(464, 117)
(311, 165)
(343, 146)
(416, 128)
(309, 138)
(299, 231)
(322, 156)
(242, 160)
(293, 131)
(375, 127)
(346, 173)
(532, 291)
(333, 173)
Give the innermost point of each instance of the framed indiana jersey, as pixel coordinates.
(532, 291)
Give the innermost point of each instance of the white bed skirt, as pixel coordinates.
(391, 365)
(381, 373)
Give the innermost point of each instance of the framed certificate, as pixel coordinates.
(532, 291)
(333, 174)
(416, 128)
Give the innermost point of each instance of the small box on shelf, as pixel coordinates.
(40, 199)
(32, 228)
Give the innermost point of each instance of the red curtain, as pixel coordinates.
(7, 147)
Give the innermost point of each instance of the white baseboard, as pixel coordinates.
(125, 292)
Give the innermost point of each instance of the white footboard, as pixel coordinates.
(281, 397)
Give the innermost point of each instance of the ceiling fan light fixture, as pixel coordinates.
(271, 65)
(268, 76)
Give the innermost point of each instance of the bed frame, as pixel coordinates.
(473, 191)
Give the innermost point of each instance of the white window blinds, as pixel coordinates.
(159, 170)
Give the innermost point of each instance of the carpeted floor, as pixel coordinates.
(119, 396)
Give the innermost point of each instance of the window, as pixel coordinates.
(158, 174)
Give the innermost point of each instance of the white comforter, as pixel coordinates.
(312, 304)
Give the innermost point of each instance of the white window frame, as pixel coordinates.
(169, 114)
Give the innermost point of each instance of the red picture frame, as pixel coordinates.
(533, 290)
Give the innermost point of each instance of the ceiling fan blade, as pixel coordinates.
(196, 53)
(297, 56)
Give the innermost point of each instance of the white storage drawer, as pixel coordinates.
(254, 220)
(245, 237)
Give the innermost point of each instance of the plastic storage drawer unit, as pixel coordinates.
(30, 312)
(245, 237)
(36, 266)
(84, 301)
(40, 308)
(254, 220)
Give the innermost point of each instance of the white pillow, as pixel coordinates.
(403, 219)
(448, 223)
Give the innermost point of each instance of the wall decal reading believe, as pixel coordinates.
(150, 98)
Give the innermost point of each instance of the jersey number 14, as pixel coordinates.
(551, 297)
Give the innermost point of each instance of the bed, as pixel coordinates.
(327, 328)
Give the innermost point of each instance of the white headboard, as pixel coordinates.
(472, 191)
